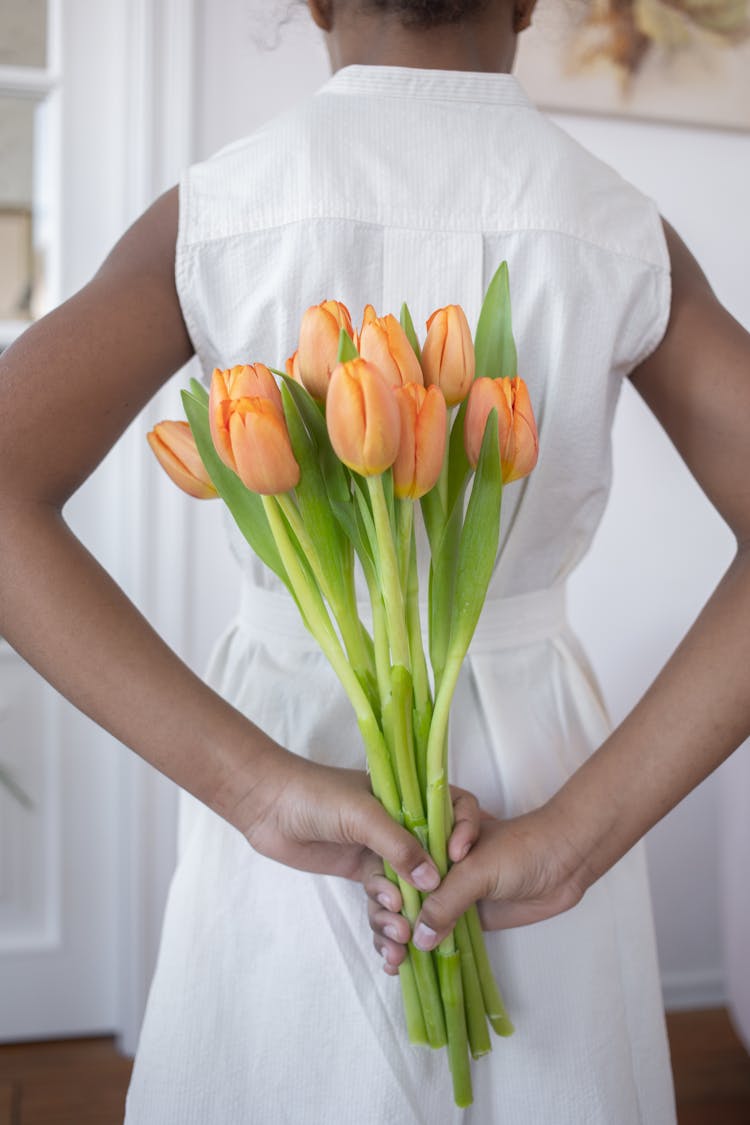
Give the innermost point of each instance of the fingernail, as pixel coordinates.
(464, 852)
(391, 932)
(384, 901)
(424, 936)
(426, 877)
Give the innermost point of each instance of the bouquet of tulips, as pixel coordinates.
(320, 467)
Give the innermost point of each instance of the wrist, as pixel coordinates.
(572, 838)
(247, 769)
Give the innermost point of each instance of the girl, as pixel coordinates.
(413, 172)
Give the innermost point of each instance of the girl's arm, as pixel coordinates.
(68, 388)
(697, 711)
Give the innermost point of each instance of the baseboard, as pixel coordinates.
(682, 991)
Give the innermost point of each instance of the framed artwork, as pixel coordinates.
(669, 60)
(16, 263)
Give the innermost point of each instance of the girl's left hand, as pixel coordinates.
(518, 871)
(391, 930)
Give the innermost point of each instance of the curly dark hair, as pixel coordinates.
(427, 13)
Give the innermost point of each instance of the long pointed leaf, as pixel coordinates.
(408, 326)
(334, 473)
(494, 346)
(312, 496)
(199, 391)
(480, 535)
(347, 349)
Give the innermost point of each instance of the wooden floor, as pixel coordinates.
(83, 1081)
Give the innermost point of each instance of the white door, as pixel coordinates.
(94, 122)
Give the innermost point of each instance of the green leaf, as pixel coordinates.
(334, 473)
(494, 346)
(312, 497)
(433, 516)
(245, 506)
(366, 520)
(199, 391)
(443, 565)
(347, 349)
(458, 463)
(408, 326)
(477, 550)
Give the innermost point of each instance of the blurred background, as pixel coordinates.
(102, 103)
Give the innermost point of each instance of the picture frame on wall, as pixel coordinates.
(671, 60)
(16, 263)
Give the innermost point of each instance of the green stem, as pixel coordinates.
(383, 782)
(404, 525)
(403, 753)
(389, 575)
(420, 679)
(437, 784)
(319, 624)
(476, 1020)
(415, 1025)
(340, 600)
(380, 634)
(451, 990)
(493, 1001)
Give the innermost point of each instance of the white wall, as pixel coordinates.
(660, 548)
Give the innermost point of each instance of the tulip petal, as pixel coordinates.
(362, 418)
(172, 444)
(422, 443)
(448, 353)
(261, 447)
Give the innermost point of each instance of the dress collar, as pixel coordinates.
(430, 85)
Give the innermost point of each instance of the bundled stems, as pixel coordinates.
(381, 772)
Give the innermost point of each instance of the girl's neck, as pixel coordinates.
(484, 44)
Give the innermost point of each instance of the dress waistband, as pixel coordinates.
(504, 623)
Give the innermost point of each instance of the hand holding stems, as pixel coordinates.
(519, 871)
(326, 820)
(391, 928)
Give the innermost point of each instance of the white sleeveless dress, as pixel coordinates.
(269, 1005)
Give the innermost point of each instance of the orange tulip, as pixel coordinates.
(383, 342)
(424, 420)
(368, 316)
(319, 345)
(242, 381)
(362, 416)
(174, 446)
(292, 367)
(262, 452)
(519, 442)
(448, 353)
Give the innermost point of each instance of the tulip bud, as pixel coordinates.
(383, 342)
(424, 420)
(242, 381)
(262, 452)
(292, 367)
(319, 345)
(362, 417)
(448, 353)
(368, 316)
(519, 442)
(175, 449)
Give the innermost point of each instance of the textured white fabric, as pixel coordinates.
(268, 1004)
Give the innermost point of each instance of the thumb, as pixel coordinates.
(380, 833)
(464, 884)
